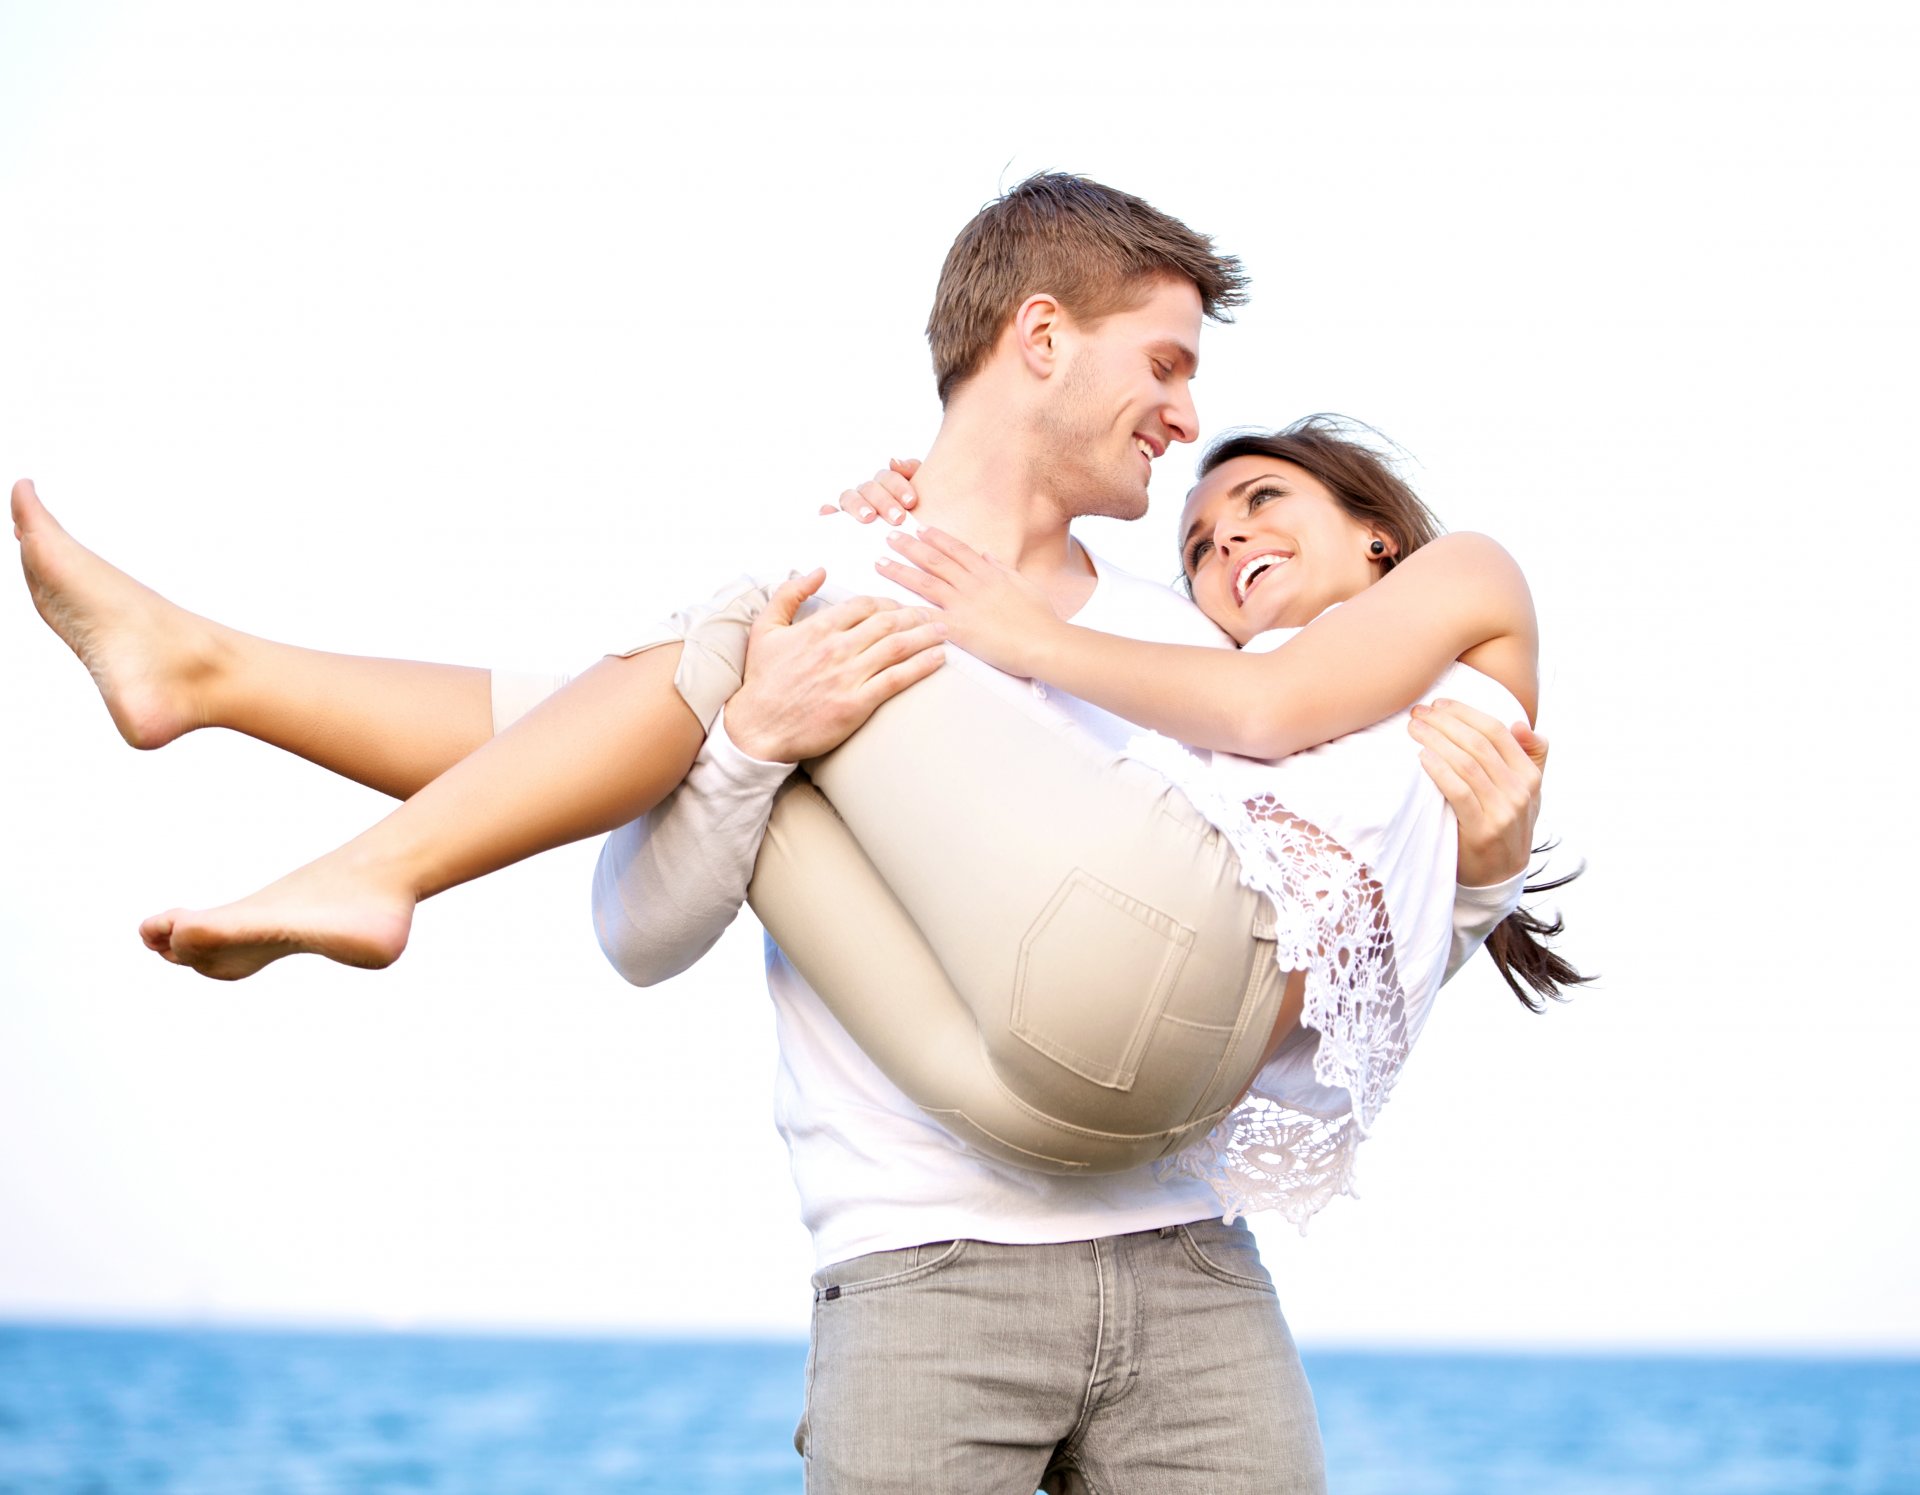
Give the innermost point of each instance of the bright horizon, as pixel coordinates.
(473, 333)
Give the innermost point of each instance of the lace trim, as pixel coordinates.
(1285, 1151)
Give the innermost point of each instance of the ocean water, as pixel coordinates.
(115, 1412)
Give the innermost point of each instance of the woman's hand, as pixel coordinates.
(990, 610)
(889, 491)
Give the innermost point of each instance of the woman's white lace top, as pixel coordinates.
(1355, 848)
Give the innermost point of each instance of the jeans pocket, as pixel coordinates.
(1226, 1253)
(878, 1270)
(1094, 975)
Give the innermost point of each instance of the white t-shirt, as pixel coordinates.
(873, 1172)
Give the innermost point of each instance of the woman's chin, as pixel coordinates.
(1258, 615)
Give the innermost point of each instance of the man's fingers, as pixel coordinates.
(884, 625)
(1475, 730)
(1467, 769)
(889, 682)
(847, 614)
(889, 649)
(788, 596)
(1456, 789)
(1488, 742)
(1532, 744)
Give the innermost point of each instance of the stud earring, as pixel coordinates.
(1377, 548)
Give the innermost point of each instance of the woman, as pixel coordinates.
(1088, 1067)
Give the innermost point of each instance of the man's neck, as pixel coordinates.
(980, 482)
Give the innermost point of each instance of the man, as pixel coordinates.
(978, 1327)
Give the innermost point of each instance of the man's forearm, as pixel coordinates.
(668, 885)
(1476, 913)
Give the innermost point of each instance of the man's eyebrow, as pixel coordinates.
(1184, 358)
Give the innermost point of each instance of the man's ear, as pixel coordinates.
(1036, 327)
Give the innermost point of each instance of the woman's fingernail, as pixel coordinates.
(865, 515)
(895, 515)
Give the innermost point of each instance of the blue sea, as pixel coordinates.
(227, 1412)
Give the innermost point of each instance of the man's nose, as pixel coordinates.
(1182, 421)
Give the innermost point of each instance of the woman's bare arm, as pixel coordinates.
(1460, 596)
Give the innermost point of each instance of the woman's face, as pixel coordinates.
(1265, 545)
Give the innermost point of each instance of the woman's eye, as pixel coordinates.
(1260, 496)
(1194, 555)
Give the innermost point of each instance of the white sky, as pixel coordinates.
(472, 331)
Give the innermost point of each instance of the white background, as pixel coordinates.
(473, 331)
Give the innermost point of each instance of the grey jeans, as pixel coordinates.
(1155, 1363)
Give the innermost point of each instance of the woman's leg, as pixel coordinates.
(1053, 953)
(596, 754)
(1071, 981)
(388, 723)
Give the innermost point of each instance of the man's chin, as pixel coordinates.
(1123, 502)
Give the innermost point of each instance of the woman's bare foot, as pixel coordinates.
(326, 908)
(150, 659)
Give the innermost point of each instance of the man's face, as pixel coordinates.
(1120, 399)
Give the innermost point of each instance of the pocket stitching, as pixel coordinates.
(1213, 1268)
(1178, 941)
(892, 1279)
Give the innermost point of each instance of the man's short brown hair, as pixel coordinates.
(1091, 247)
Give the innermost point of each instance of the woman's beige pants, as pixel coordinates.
(1046, 947)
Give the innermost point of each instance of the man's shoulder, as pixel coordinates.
(1138, 607)
(846, 548)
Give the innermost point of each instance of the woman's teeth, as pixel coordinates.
(1253, 569)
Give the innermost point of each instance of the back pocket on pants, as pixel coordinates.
(1094, 975)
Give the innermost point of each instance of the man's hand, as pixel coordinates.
(809, 685)
(1491, 776)
(889, 491)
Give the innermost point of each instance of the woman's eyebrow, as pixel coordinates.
(1238, 490)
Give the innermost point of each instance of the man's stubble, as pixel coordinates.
(1083, 464)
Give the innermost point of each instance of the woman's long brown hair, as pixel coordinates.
(1370, 491)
